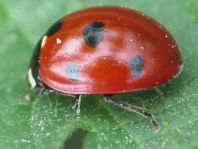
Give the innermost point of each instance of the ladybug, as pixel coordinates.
(107, 51)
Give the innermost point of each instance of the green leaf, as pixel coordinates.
(28, 120)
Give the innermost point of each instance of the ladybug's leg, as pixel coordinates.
(136, 109)
(40, 91)
(77, 104)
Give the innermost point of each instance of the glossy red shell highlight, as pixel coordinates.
(106, 68)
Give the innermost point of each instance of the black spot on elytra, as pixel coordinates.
(54, 28)
(137, 66)
(93, 33)
(73, 71)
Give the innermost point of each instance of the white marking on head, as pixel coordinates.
(31, 80)
(43, 41)
(58, 40)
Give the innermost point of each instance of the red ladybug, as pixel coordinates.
(105, 50)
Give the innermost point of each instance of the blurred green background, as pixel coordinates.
(47, 121)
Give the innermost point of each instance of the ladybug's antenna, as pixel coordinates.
(132, 108)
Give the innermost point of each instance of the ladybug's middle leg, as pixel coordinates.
(76, 104)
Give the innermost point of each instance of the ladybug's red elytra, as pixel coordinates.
(105, 50)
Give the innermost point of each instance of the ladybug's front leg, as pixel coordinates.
(132, 108)
(76, 104)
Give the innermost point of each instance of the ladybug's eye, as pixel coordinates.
(137, 66)
(72, 71)
(93, 33)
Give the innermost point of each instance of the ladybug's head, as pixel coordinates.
(33, 71)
